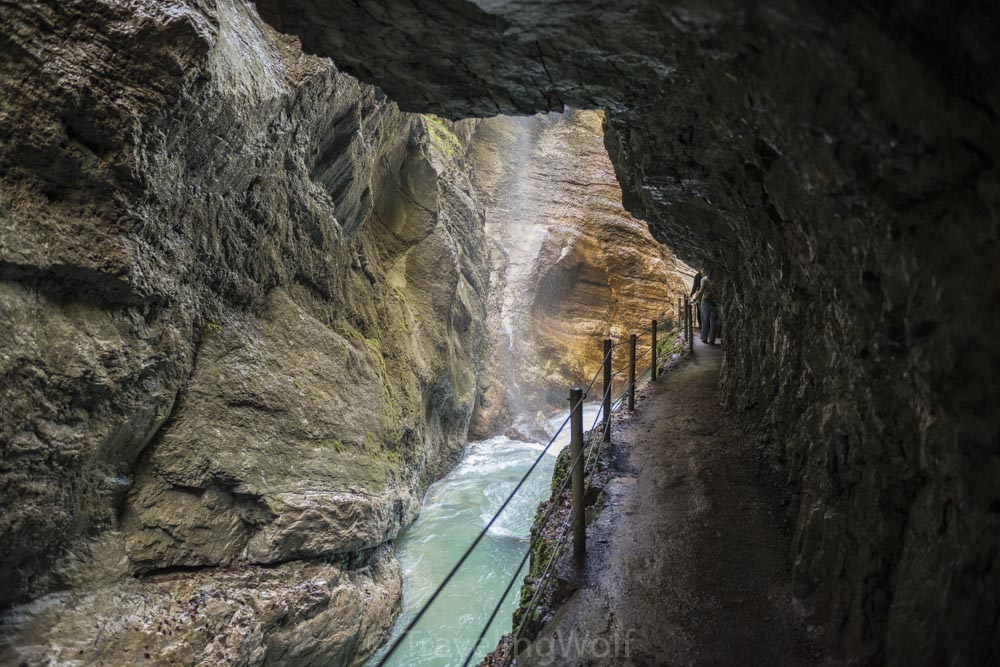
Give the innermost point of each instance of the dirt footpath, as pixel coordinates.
(686, 565)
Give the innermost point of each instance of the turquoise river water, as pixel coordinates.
(454, 511)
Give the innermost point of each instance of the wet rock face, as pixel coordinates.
(835, 167)
(244, 299)
(570, 265)
(292, 614)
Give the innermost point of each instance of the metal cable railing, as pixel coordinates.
(593, 457)
(475, 542)
(597, 373)
(561, 540)
(538, 536)
(588, 465)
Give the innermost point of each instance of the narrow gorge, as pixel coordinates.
(252, 317)
(268, 268)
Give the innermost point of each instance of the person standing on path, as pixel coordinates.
(694, 289)
(708, 310)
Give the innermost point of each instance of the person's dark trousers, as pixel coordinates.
(710, 321)
(694, 290)
(700, 326)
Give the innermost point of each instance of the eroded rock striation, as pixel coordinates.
(243, 297)
(835, 165)
(570, 266)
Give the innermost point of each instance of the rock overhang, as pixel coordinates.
(835, 165)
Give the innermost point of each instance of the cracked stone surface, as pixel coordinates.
(292, 614)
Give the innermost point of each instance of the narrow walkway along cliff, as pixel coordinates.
(686, 562)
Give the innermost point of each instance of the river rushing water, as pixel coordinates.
(454, 511)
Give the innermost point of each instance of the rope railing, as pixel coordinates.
(580, 467)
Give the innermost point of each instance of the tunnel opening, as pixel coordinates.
(569, 267)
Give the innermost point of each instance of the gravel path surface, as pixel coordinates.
(686, 564)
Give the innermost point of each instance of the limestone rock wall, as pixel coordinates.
(835, 165)
(243, 299)
(570, 265)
